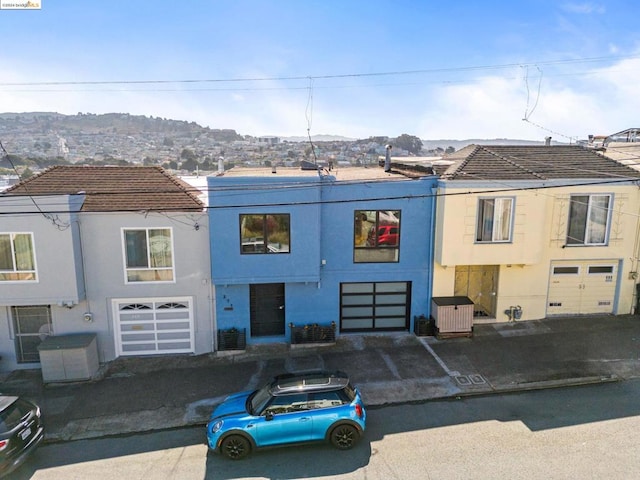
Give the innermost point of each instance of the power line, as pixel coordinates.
(321, 77)
(55, 220)
(262, 89)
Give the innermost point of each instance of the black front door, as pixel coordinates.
(267, 309)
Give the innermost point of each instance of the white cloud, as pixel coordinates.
(603, 101)
(488, 108)
(584, 8)
(568, 108)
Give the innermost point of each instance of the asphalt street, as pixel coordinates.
(143, 394)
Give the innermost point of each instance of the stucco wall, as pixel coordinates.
(56, 248)
(99, 247)
(298, 197)
(104, 266)
(539, 239)
(322, 245)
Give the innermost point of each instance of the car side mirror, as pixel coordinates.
(268, 416)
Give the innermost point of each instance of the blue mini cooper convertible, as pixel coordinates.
(292, 408)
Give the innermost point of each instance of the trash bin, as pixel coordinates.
(68, 358)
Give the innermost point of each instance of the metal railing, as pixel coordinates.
(423, 326)
(313, 333)
(232, 339)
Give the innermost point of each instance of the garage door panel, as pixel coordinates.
(582, 287)
(357, 323)
(398, 322)
(600, 288)
(374, 306)
(147, 327)
(597, 306)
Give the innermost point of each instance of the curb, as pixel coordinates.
(564, 382)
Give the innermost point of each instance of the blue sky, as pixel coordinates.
(438, 70)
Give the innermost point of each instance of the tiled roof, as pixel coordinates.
(533, 162)
(111, 189)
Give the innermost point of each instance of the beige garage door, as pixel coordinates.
(582, 287)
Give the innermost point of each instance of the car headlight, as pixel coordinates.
(216, 426)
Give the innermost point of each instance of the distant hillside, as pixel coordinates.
(112, 123)
(458, 144)
(427, 144)
(320, 138)
(43, 123)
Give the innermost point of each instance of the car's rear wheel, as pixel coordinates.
(344, 436)
(235, 447)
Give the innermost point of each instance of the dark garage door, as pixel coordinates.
(374, 306)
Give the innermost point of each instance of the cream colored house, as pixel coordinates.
(528, 232)
(622, 146)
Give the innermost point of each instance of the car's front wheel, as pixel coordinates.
(235, 447)
(344, 436)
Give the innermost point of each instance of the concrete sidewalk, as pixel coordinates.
(144, 394)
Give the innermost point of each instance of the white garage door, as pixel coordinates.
(582, 287)
(154, 326)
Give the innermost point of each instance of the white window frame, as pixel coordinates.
(497, 220)
(15, 270)
(591, 222)
(129, 271)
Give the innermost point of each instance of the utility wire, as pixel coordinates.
(55, 220)
(308, 113)
(280, 88)
(527, 112)
(318, 77)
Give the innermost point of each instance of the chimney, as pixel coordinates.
(547, 141)
(220, 164)
(387, 159)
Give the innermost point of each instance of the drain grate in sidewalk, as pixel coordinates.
(470, 380)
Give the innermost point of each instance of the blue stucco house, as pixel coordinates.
(294, 247)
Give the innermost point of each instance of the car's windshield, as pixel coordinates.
(258, 400)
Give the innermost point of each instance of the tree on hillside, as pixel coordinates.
(188, 154)
(379, 140)
(409, 142)
(208, 164)
(189, 165)
(26, 173)
(171, 165)
(10, 161)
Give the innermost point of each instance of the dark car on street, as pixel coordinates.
(292, 408)
(20, 431)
